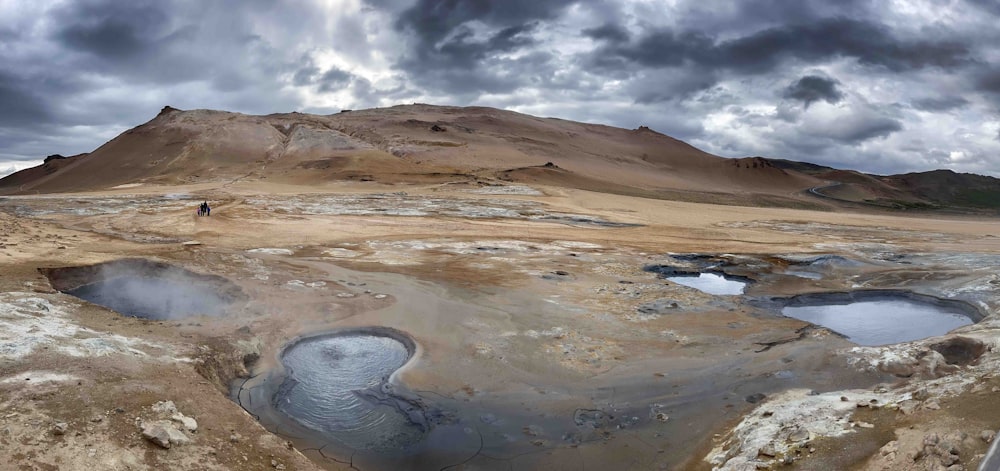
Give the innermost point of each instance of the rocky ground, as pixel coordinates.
(527, 306)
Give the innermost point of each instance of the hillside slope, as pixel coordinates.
(935, 189)
(410, 144)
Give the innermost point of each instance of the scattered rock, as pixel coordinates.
(755, 398)
(437, 128)
(903, 368)
(987, 436)
(768, 451)
(660, 306)
(60, 428)
(189, 423)
(165, 407)
(890, 450)
(164, 434)
(908, 407)
(947, 448)
(932, 405)
(798, 435)
(960, 350)
(234, 438)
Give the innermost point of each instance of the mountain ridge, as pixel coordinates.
(423, 143)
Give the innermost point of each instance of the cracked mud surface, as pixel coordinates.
(537, 345)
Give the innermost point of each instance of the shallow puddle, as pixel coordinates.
(710, 283)
(881, 321)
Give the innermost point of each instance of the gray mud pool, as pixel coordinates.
(321, 389)
(152, 298)
(881, 321)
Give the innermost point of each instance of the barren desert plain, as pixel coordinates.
(424, 287)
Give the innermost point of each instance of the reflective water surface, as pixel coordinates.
(711, 283)
(881, 322)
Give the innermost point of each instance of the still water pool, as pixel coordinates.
(883, 321)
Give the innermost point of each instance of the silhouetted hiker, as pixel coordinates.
(208, 209)
(203, 210)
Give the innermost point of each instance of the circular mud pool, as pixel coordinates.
(337, 384)
(879, 319)
(146, 289)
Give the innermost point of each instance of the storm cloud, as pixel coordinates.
(883, 87)
(813, 88)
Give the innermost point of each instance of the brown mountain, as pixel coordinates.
(427, 144)
(414, 143)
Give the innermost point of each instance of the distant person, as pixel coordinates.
(208, 209)
(203, 209)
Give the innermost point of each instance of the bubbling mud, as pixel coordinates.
(146, 289)
(326, 388)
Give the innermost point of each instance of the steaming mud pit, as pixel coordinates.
(537, 345)
(149, 290)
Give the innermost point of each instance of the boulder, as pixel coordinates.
(189, 423)
(165, 407)
(164, 433)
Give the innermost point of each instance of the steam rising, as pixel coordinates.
(161, 294)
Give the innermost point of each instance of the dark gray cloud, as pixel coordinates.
(942, 103)
(853, 81)
(116, 32)
(608, 32)
(868, 43)
(21, 103)
(812, 88)
(433, 20)
(989, 81)
(863, 128)
(334, 79)
(990, 6)
(459, 44)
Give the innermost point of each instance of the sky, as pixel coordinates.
(881, 86)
